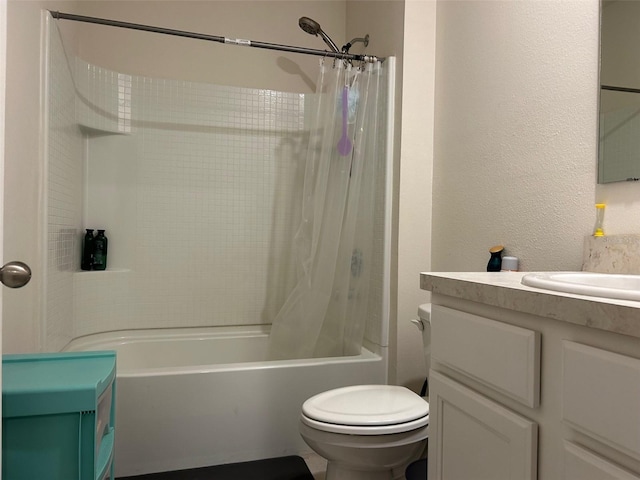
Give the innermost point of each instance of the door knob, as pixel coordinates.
(15, 274)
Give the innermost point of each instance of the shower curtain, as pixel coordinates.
(325, 314)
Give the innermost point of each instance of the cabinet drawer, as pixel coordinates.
(503, 357)
(585, 465)
(601, 395)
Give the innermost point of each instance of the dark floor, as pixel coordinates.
(281, 468)
(417, 470)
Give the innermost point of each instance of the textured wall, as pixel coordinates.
(515, 132)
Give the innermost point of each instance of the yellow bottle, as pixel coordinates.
(598, 230)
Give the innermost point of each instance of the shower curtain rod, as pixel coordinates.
(214, 38)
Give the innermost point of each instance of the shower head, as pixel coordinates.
(313, 28)
(309, 25)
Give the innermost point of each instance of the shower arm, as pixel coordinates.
(212, 38)
(347, 46)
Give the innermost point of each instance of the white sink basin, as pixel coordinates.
(608, 285)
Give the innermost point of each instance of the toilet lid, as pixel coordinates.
(366, 405)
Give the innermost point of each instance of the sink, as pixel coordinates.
(608, 285)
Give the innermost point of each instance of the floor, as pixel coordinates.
(315, 463)
(292, 467)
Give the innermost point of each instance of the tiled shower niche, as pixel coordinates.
(198, 187)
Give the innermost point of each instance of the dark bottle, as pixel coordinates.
(100, 243)
(495, 262)
(86, 261)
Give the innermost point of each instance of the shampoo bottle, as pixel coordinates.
(100, 243)
(86, 262)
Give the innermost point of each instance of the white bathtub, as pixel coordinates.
(196, 397)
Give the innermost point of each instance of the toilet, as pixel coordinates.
(368, 432)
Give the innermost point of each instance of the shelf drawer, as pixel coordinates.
(103, 416)
(107, 473)
(601, 395)
(503, 357)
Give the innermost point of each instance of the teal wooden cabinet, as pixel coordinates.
(58, 416)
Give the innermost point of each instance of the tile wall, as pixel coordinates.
(198, 188)
(63, 184)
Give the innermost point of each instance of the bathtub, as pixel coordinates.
(195, 397)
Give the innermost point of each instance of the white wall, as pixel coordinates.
(162, 56)
(406, 30)
(415, 184)
(515, 134)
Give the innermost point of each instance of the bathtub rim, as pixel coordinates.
(105, 340)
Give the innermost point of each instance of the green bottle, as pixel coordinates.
(100, 244)
(86, 261)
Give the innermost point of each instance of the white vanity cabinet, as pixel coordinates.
(597, 380)
(530, 385)
(472, 436)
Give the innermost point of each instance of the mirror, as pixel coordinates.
(619, 139)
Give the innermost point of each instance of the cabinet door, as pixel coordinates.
(581, 464)
(600, 396)
(473, 437)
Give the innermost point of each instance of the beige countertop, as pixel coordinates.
(504, 290)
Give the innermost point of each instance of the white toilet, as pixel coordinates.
(367, 432)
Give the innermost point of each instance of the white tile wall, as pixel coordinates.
(103, 99)
(198, 187)
(217, 173)
(64, 195)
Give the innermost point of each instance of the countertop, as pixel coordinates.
(504, 290)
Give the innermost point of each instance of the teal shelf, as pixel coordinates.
(56, 410)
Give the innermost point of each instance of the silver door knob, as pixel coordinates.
(15, 274)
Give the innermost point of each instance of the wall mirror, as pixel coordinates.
(619, 138)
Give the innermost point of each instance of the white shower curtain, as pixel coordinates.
(325, 314)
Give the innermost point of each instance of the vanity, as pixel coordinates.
(527, 383)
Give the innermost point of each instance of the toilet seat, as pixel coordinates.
(366, 410)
